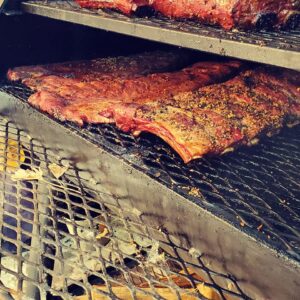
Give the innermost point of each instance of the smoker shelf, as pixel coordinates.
(247, 201)
(274, 48)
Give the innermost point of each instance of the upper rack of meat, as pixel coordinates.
(277, 47)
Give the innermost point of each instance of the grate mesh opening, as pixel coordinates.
(61, 240)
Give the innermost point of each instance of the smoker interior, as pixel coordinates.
(254, 190)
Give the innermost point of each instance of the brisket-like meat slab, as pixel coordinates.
(112, 67)
(218, 118)
(226, 13)
(232, 13)
(94, 101)
(179, 107)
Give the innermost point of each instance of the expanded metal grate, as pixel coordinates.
(61, 240)
(276, 48)
(257, 189)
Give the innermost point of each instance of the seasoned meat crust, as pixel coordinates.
(225, 13)
(195, 110)
(94, 101)
(218, 117)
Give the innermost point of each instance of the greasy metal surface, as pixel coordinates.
(225, 248)
(51, 242)
(275, 48)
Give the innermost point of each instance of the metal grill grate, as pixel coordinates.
(277, 48)
(61, 240)
(256, 189)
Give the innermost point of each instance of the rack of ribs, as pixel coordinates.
(94, 101)
(218, 118)
(225, 13)
(233, 13)
(187, 109)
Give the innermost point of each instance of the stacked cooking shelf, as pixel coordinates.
(275, 48)
(236, 218)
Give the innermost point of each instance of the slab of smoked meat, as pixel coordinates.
(125, 6)
(95, 101)
(232, 13)
(112, 67)
(226, 13)
(218, 118)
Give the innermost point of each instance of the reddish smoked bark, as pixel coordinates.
(195, 116)
(227, 14)
(230, 13)
(95, 101)
(220, 117)
(125, 6)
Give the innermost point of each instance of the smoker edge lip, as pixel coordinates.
(255, 47)
(231, 243)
